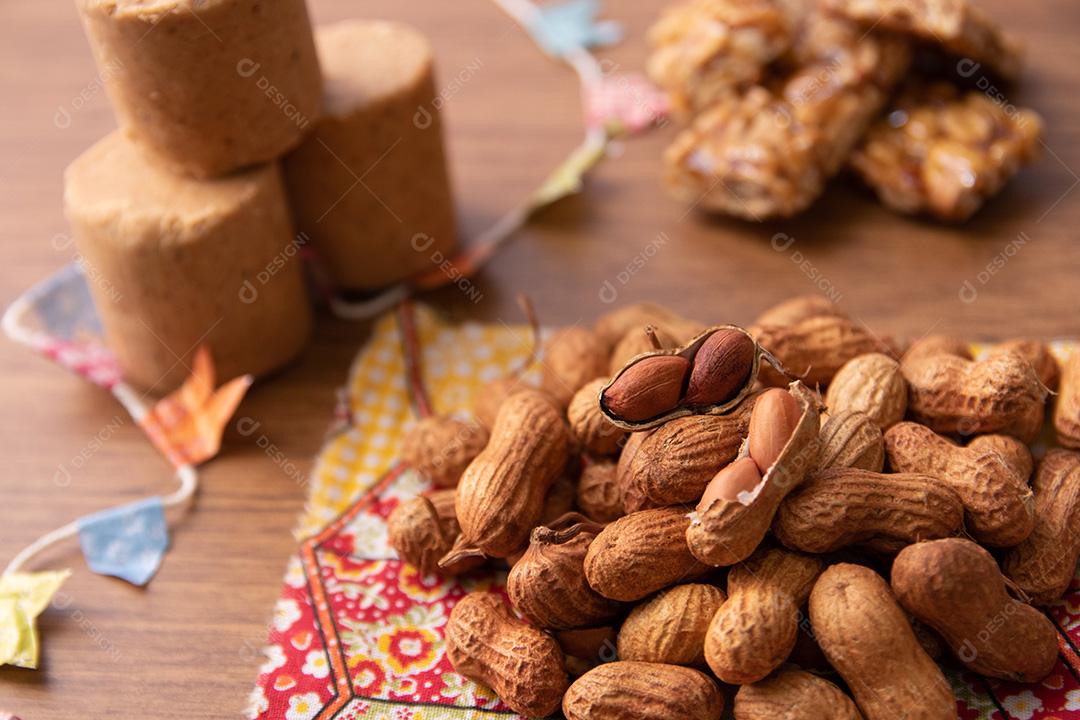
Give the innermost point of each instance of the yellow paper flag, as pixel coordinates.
(24, 596)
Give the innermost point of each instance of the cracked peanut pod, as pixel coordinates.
(755, 630)
(440, 448)
(1037, 353)
(955, 587)
(951, 395)
(423, 529)
(850, 440)
(593, 431)
(998, 505)
(676, 461)
(1067, 409)
(794, 695)
(815, 348)
(641, 553)
(671, 627)
(867, 638)
(501, 494)
(572, 356)
(523, 665)
(728, 531)
(612, 327)
(843, 507)
(871, 384)
(548, 586)
(139, 228)
(207, 87)
(380, 130)
(643, 691)
(637, 342)
(1045, 563)
(709, 375)
(598, 494)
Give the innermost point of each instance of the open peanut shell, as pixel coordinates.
(689, 351)
(728, 531)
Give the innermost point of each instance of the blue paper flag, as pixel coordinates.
(127, 542)
(565, 26)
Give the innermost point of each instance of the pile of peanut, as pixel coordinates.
(781, 95)
(821, 529)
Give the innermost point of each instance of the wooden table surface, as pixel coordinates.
(188, 645)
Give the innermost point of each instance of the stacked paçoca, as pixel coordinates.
(823, 529)
(242, 137)
(783, 94)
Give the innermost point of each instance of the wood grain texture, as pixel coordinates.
(187, 646)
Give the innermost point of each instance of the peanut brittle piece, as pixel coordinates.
(957, 26)
(704, 50)
(769, 151)
(944, 153)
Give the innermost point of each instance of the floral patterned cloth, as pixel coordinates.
(358, 634)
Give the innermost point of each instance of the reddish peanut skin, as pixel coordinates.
(523, 665)
(794, 695)
(649, 387)
(727, 532)
(674, 463)
(721, 368)
(955, 587)
(591, 428)
(740, 476)
(773, 421)
(643, 691)
(611, 327)
(868, 639)
(1045, 563)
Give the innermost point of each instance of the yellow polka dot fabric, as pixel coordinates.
(455, 361)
